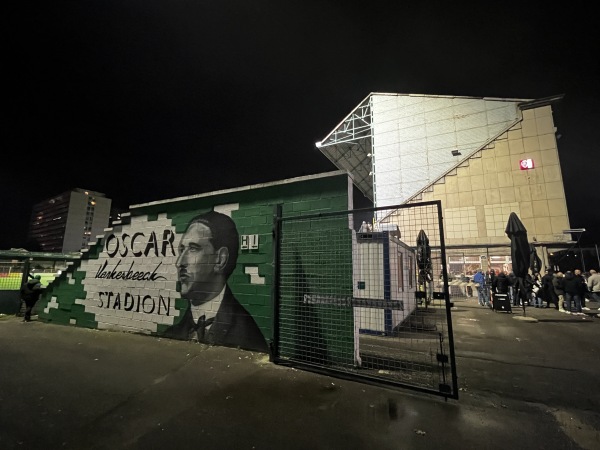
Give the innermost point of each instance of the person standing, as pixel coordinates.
(500, 283)
(489, 282)
(528, 286)
(584, 281)
(593, 284)
(548, 289)
(536, 287)
(574, 289)
(558, 283)
(208, 253)
(479, 280)
(500, 300)
(512, 284)
(30, 293)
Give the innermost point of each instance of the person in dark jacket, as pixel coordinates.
(574, 289)
(512, 285)
(30, 293)
(547, 290)
(488, 281)
(536, 290)
(582, 277)
(500, 284)
(528, 286)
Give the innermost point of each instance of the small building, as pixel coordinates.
(384, 280)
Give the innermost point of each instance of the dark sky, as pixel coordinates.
(148, 100)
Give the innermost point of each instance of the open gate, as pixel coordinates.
(370, 305)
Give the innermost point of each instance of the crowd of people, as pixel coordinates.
(566, 292)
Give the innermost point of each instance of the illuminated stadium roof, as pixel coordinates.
(396, 145)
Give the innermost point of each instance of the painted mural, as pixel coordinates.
(148, 278)
(207, 255)
(198, 268)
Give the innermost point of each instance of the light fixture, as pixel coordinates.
(456, 153)
(318, 144)
(574, 230)
(369, 154)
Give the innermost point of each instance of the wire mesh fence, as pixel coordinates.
(369, 303)
(11, 275)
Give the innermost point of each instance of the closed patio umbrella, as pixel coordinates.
(520, 254)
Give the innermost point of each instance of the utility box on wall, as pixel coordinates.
(249, 242)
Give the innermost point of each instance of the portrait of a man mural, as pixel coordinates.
(207, 255)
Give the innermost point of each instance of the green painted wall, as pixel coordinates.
(91, 294)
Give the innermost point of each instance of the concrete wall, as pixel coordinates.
(128, 280)
(478, 197)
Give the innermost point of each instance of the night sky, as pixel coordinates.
(151, 100)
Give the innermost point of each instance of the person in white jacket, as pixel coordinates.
(593, 284)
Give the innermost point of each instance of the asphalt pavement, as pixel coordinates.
(525, 382)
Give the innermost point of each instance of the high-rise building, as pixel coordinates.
(69, 221)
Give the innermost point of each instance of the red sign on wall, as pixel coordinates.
(526, 164)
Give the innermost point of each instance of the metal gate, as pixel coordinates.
(366, 301)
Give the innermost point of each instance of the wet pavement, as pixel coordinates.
(523, 384)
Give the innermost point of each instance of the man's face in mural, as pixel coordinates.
(199, 265)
